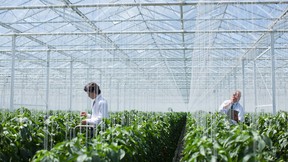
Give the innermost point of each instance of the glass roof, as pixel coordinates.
(146, 55)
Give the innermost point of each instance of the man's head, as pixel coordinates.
(92, 90)
(236, 96)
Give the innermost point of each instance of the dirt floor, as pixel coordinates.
(180, 146)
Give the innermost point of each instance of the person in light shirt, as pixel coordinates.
(233, 105)
(99, 105)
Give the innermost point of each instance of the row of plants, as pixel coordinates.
(142, 137)
(126, 136)
(23, 132)
(259, 138)
(275, 128)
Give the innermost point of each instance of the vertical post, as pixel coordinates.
(243, 82)
(71, 72)
(47, 79)
(100, 76)
(124, 94)
(88, 80)
(273, 73)
(255, 84)
(12, 73)
(235, 79)
(230, 82)
(118, 95)
(21, 93)
(47, 99)
(110, 90)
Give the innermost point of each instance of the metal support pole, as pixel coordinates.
(47, 80)
(12, 73)
(235, 79)
(255, 84)
(118, 95)
(243, 82)
(100, 79)
(273, 73)
(71, 72)
(229, 83)
(47, 99)
(88, 80)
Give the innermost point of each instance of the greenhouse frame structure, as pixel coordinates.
(145, 55)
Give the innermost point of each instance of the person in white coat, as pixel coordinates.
(99, 105)
(233, 105)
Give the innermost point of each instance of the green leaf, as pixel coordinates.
(247, 157)
(202, 151)
(284, 144)
(122, 154)
(82, 157)
(261, 145)
(267, 141)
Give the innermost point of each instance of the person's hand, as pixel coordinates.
(83, 114)
(228, 104)
(83, 122)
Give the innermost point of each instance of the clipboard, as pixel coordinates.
(233, 115)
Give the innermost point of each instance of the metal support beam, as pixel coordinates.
(47, 81)
(12, 73)
(146, 32)
(273, 73)
(243, 83)
(71, 83)
(255, 84)
(140, 48)
(101, 5)
(47, 98)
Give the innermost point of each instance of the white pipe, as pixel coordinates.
(146, 32)
(71, 89)
(12, 73)
(100, 5)
(47, 81)
(243, 82)
(273, 73)
(135, 49)
(255, 85)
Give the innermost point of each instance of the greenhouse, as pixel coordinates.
(164, 68)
